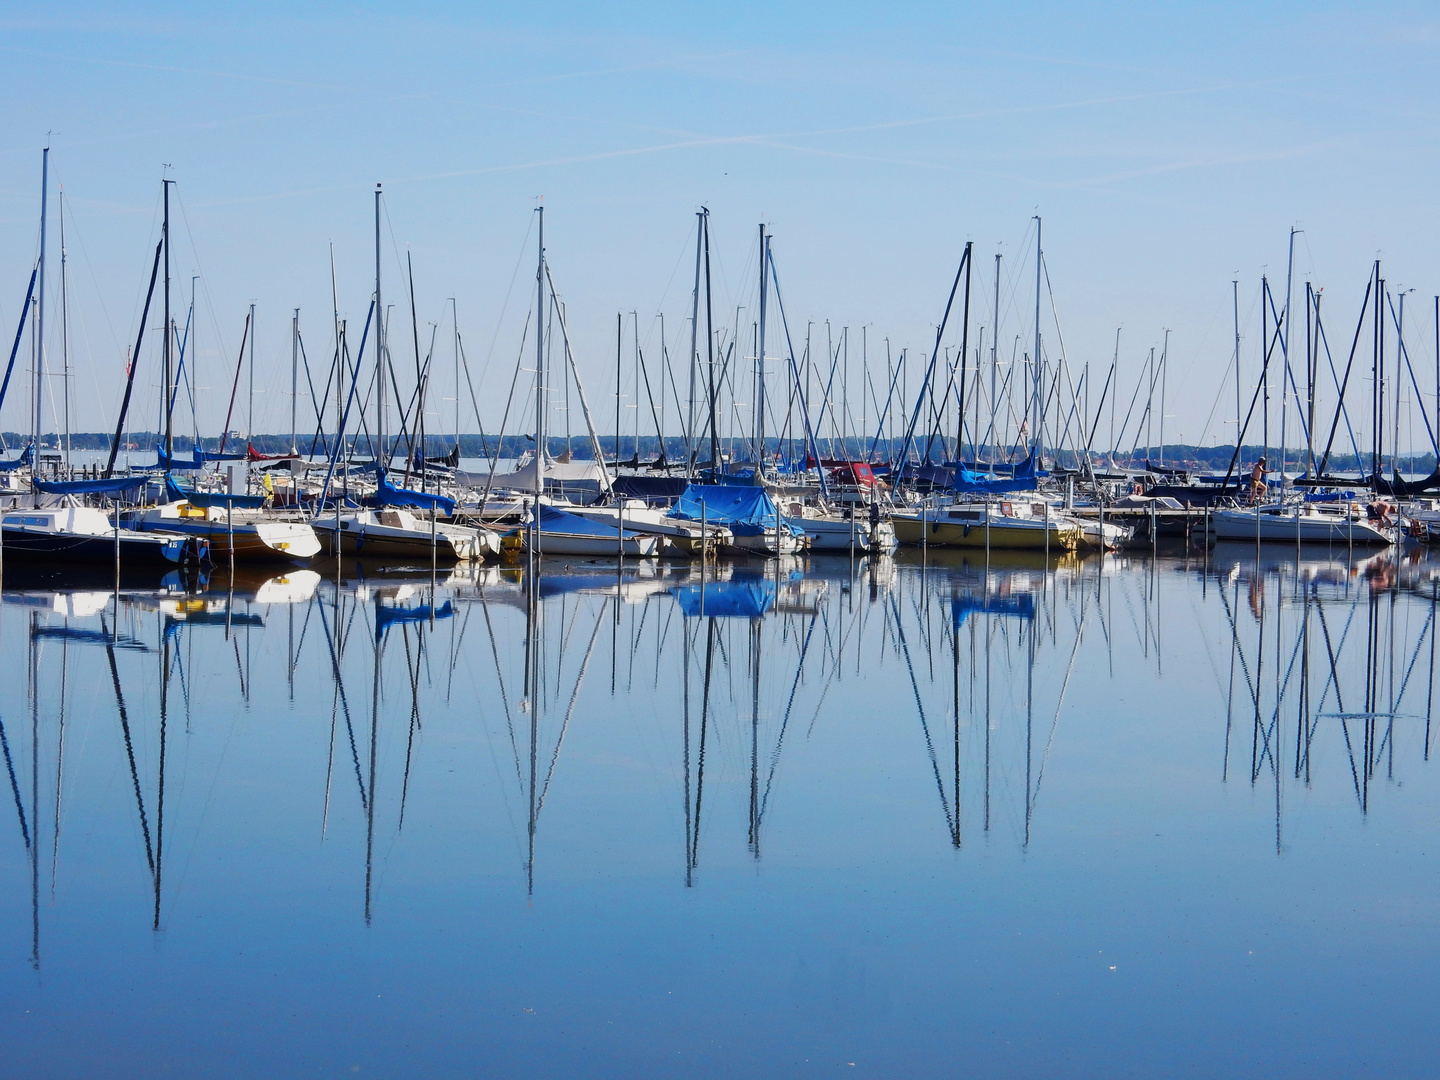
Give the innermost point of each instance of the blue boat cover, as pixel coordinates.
(743, 598)
(562, 521)
(116, 485)
(1026, 477)
(178, 464)
(726, 504)
(387, 494)
(1021, 606)
(209, 499)
(26, 456)
(387, 616)
(233, 455)
(653, 489)
(934, 475)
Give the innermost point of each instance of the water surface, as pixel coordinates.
(1150, 817)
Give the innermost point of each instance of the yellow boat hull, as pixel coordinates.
(1003, 533)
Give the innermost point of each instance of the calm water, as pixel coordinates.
(1145, 818)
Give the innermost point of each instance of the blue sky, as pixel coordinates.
(1168, 149)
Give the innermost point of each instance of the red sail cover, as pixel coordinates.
(252, 454)
(852, 472)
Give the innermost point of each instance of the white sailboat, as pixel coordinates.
(1299, 523)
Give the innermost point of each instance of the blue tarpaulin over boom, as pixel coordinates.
(26, 456)
(178, 464)
(744, 599)
(562, 521)
(726, 504)
(387, 494)
(651, 488)
(208, 499)
(1021, 606)
(118, 485)
(1026, 478)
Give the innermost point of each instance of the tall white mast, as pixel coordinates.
(294, 376)
(381, 454)
(40, 310)
(540, 362)
(1036, 417)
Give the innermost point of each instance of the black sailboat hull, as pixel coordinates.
(32, 546)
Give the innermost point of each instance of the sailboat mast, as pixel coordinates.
(710, 346)
(1150, 406)
(1115, 370)
(250, 407)
(169, 335)
(1038, 434)
(1399, 358)
(760, 366)
(65, 328)
(865, 386)
(1235, 302)
(1378, 371)
(691, 449)
(964, 371)
(382, 455)
(1164, 370)
(294, 377)
(1310, 373)
(455, 322)
(340, 363)
(619, 336)
(540, 365)
(664, 367)
(40, 310)
(995, 344)
(1283, 329)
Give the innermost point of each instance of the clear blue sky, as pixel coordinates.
(1169, 149)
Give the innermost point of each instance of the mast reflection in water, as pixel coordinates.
(1168, 815)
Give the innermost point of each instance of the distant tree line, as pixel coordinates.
(1174, 455)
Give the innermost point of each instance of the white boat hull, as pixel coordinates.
(396, 535)
(676, 537)
(841, 534)
(766, 543)
(1294, 528)
(636, 546)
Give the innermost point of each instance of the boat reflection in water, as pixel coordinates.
(565, 727)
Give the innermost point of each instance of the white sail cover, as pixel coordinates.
(523, 478)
